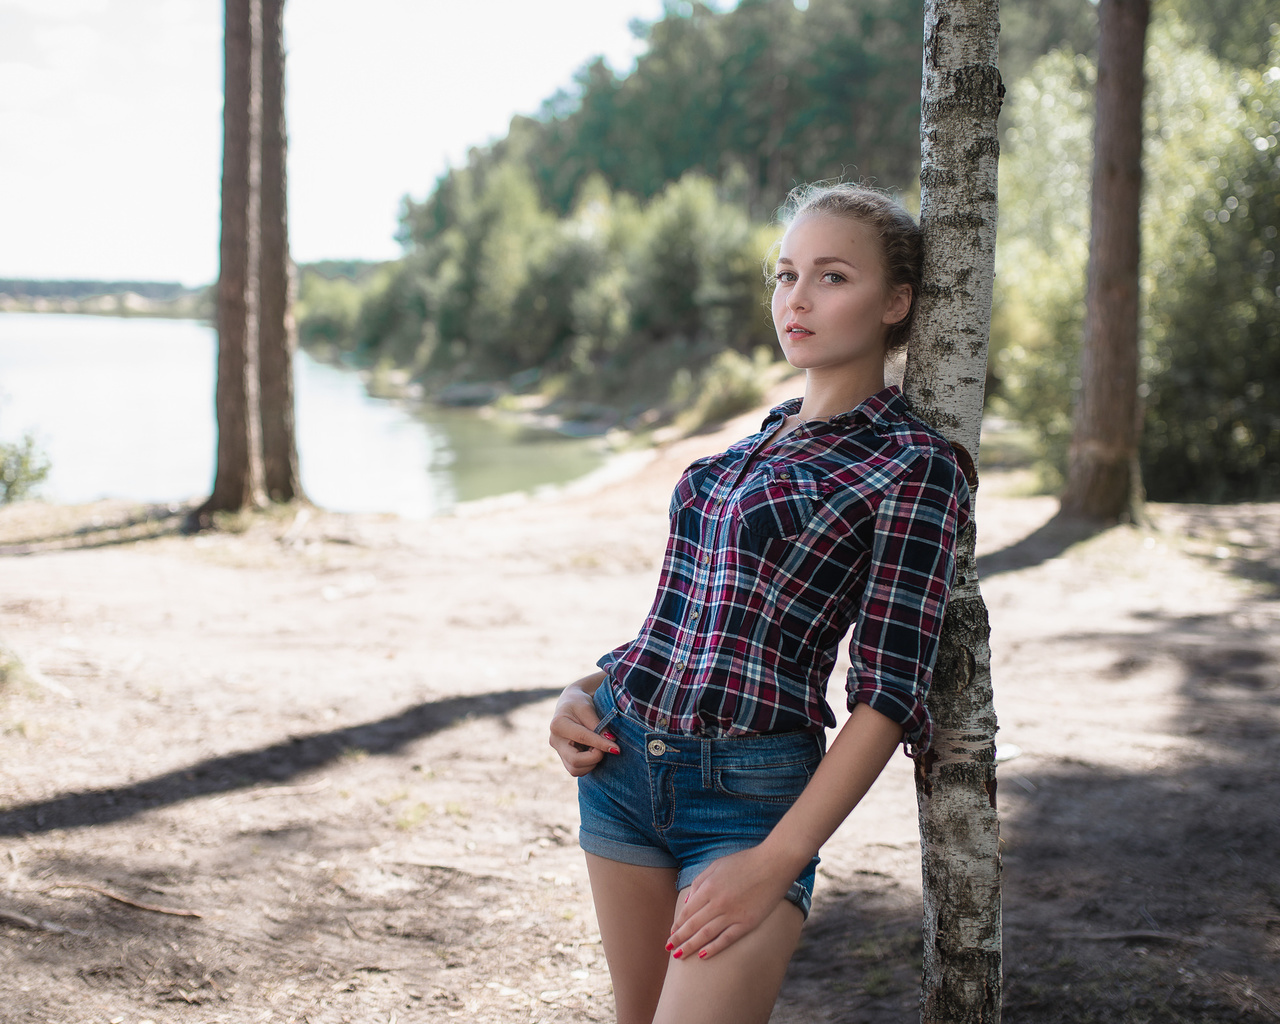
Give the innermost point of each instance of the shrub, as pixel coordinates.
(22, 467)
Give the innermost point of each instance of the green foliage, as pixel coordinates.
(779, 94)
(1237, 31)
(326, 310)
(1211, 309)
(614, 242)
(1031, 28)
(730, 384)
(609, 302)
(22, 467)
(1213, 327)
(1042, 249)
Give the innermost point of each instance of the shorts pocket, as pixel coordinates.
(606, 706)
(774, 784)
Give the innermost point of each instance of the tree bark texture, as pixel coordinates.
(945, 379)
(277, 337)
(238, 478)
(1103, 480)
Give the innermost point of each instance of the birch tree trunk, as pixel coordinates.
(277, 336)
(1103, 480)
(238, 478)
(945, 376)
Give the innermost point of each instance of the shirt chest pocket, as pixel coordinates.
(690, 485)
(779, 501)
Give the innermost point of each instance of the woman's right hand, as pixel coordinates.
(573, 734)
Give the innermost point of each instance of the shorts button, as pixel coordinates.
(657, 748)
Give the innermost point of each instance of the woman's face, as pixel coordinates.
(832, 307)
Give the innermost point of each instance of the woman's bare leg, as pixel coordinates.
(635, 907)
(738, 985)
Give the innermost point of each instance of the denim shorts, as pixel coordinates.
(675, 801)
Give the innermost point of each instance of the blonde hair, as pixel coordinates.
(899, 235)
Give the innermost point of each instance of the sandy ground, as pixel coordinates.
(300, 772)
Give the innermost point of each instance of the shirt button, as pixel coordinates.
(680, 666)
(693, 616)
(706, 559)
(663, 721)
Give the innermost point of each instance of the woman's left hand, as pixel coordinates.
(727, 901)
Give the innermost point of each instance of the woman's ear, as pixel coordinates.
(899, 304)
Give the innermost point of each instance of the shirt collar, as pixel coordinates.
(881, 410)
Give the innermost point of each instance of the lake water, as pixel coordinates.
(123, 408)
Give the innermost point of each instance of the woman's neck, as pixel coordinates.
(827, 395)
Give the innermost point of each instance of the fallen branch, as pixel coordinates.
(124, 899)
(22, 921)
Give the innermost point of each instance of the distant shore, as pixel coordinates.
(108, 298)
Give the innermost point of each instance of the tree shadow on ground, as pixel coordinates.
(1043, 544)
(1130, 897)
(149, 523)
(276, 763)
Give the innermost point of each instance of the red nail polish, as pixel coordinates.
(608, 735)
(614, 750)
(678, 953)
(702, 955)
(670, 946)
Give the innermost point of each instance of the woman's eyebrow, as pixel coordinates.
(820, 261)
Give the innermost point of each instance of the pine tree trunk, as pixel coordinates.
(945, 378)
(1103, 480)
(277, 337)
(238, 478)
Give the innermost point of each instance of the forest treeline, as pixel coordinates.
(610, 250)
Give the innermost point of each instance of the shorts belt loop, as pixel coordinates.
(706, 763)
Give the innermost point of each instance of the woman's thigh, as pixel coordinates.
(635, 907)
(738, 985)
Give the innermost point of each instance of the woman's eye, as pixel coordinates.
(831, 277)
(784, 277)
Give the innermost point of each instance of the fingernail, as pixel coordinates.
(608, 735)
(702, 955)
(614, 750)
(670, 946)
(678, 953)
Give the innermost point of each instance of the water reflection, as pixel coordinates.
(124, 408)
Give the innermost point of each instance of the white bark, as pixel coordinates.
(946, 372)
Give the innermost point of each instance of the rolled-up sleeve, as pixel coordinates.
(895, 637)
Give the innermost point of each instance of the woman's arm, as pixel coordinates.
(736, 893)
(572, 727)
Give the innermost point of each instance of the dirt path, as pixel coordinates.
(326, 737)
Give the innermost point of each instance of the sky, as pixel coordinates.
(111, 119)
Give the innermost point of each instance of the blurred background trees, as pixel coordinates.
(1210, 297)
(257, 454)
(609, 250)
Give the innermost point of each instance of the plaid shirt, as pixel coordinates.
(773, 553)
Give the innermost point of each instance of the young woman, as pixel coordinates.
(698, 746)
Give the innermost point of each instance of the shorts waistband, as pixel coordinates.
(706, 751)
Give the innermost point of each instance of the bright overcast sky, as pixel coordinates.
(111, 119)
